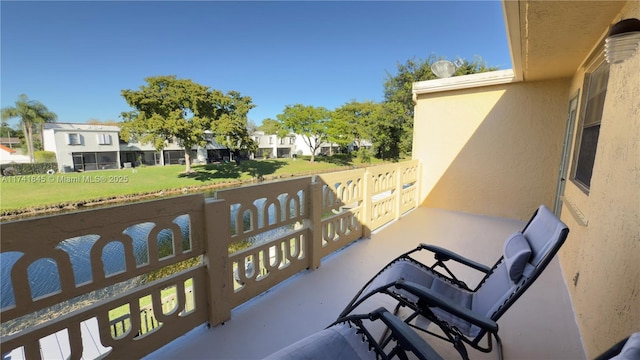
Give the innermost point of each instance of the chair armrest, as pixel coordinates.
(432, 298)
(443, 254)
(406, 337)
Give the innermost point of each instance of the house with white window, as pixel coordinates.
(560, 129)
(273, 146)
(83, 147)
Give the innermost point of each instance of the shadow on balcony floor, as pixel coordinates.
(540, 325)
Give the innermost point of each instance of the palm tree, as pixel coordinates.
(31, 113)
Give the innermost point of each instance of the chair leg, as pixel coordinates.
(459, 346)
(499, 346)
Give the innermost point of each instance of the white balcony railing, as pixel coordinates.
(135, 277)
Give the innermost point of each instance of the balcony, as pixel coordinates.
(265, 265)
(540, 325)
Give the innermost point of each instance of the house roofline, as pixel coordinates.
(464, 82)
(7, 149)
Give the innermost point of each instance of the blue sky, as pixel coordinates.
(76, 57)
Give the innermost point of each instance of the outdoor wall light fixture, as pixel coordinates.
(623, 41)
(443, 68)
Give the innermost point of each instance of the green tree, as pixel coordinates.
(231, 128)
(8, 131)
(398, 88)
(387, 129)
(273, 127)
(170, 108)
(310, 122)
(349, 122)
(477, 65)
(109, 122)
(32, 114)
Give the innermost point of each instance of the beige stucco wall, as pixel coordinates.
(493, 150)
(601, 261)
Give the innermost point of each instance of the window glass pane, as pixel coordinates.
(104, 139)
(587, 156)
(77, 160)
(595, 86)
(593, 113)
(74, 139)
(597, 91)
(89, 158)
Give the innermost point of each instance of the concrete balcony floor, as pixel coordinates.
(540, 325)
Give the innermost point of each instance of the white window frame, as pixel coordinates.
(104, 139)
(77, 139)
(592, 107)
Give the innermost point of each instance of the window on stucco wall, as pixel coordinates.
(595, 91)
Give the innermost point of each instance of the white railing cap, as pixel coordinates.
(464, 82)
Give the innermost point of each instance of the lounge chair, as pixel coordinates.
(464, 314)
(349, 338)
(627, 349)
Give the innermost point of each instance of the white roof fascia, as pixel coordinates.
(80, 127)
(464, 82)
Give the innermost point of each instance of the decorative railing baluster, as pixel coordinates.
(182, 246)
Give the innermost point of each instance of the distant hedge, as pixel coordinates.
(27, 169)
(45, 157)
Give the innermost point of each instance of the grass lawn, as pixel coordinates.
(145, 302)
(38, 191)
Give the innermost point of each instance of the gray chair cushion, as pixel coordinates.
(402, 269)
(337, 342)
(631, 349)
(516, 255)
(454, 295)
(543, 233)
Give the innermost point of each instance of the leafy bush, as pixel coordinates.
(29, 169)
(45, 156)
(364, 155)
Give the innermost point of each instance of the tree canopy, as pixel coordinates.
(171, 108)
(109, 122)
(310, 122)
(398, 89)
(388, 130)
(231, 128)
(31, 113)
(273, 127)
(350, 123)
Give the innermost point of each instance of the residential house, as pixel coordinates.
(137, 153)
(492, 147)
(10, 142)
(273, 146)
(83, 147)
(8, 155)
(325, 148)
(563, 129)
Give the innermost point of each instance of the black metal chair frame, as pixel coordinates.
(407, 340)
(428, 298)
